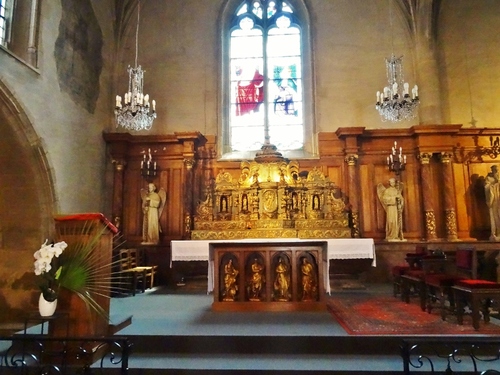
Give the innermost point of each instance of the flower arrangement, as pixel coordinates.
(46, 265)
(75, 267)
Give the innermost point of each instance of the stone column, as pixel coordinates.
(117, 207)
(351, 161)
(425, 176)
(449, 197)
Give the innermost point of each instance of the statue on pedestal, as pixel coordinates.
(153, 203)
(492, 190)
(392, 200)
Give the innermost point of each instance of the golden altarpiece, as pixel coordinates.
(271, 200)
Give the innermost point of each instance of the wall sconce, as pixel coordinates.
(148, 166)
(494, 150)
(396, 160)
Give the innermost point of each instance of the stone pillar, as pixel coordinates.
(449, 197)
(425, 176)
(351, 161)
(117, 207)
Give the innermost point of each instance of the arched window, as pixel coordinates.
(19, 29)
(265, 97)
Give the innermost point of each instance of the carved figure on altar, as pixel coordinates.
(244, 203)
(282, 281)
(256, 281)
(315, 204)
(392, 200)
(309, 281)
(492, 190)
(230, 279)
(153, 203)
(223, 204)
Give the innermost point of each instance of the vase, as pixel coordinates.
(46, 308)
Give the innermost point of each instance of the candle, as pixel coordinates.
(388, 160)
(400, 150)
(154, 105)
(142, 164)
(154, 166)
(404, 159)
(378, 97)
(146, 100)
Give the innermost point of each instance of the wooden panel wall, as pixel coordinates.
(188, 160)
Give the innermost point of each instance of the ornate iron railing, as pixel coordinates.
(445, 355)
(28, 354)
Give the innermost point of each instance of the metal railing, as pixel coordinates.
(28, 354)
(447, 355)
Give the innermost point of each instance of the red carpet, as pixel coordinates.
(364, 314)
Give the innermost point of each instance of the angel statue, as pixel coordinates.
(392, 201)
(153, 203)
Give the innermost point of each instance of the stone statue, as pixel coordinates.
(230, 278)
(492, 190)
(153, 203)
(309, 281)
(282, 282)
(393, 202)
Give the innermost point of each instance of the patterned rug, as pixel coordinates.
(365, 314)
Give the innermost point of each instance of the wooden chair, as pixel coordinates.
(130, 276)
(412, 262)
(150, 270)
(463, 265)
(413, 282)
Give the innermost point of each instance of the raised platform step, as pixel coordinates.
(260, 345)
(264, 364)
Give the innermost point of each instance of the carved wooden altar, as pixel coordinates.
(269, 276)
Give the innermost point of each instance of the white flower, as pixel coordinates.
(43, 256)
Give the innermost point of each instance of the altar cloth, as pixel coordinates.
(338, 248)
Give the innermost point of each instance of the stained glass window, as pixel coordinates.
(265, 68)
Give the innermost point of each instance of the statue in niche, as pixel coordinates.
(153, 203)
(223, 204)
(309, 280)
(315, 205)
(492, 191)
(392, 200)
(257, 281)
(230, 279)
(282, 281)
(244, 203)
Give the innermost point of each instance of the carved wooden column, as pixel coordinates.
(351, 161)
(188, 196)
(117, 207)
(425, 176)
(449, 197)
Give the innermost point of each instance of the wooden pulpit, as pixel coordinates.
(82, 228)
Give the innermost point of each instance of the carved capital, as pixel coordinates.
(189, 163)
(119, 164)
(424, 157)
(351, 159)
(445, 157)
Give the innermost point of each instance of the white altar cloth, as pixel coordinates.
(338, 248)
